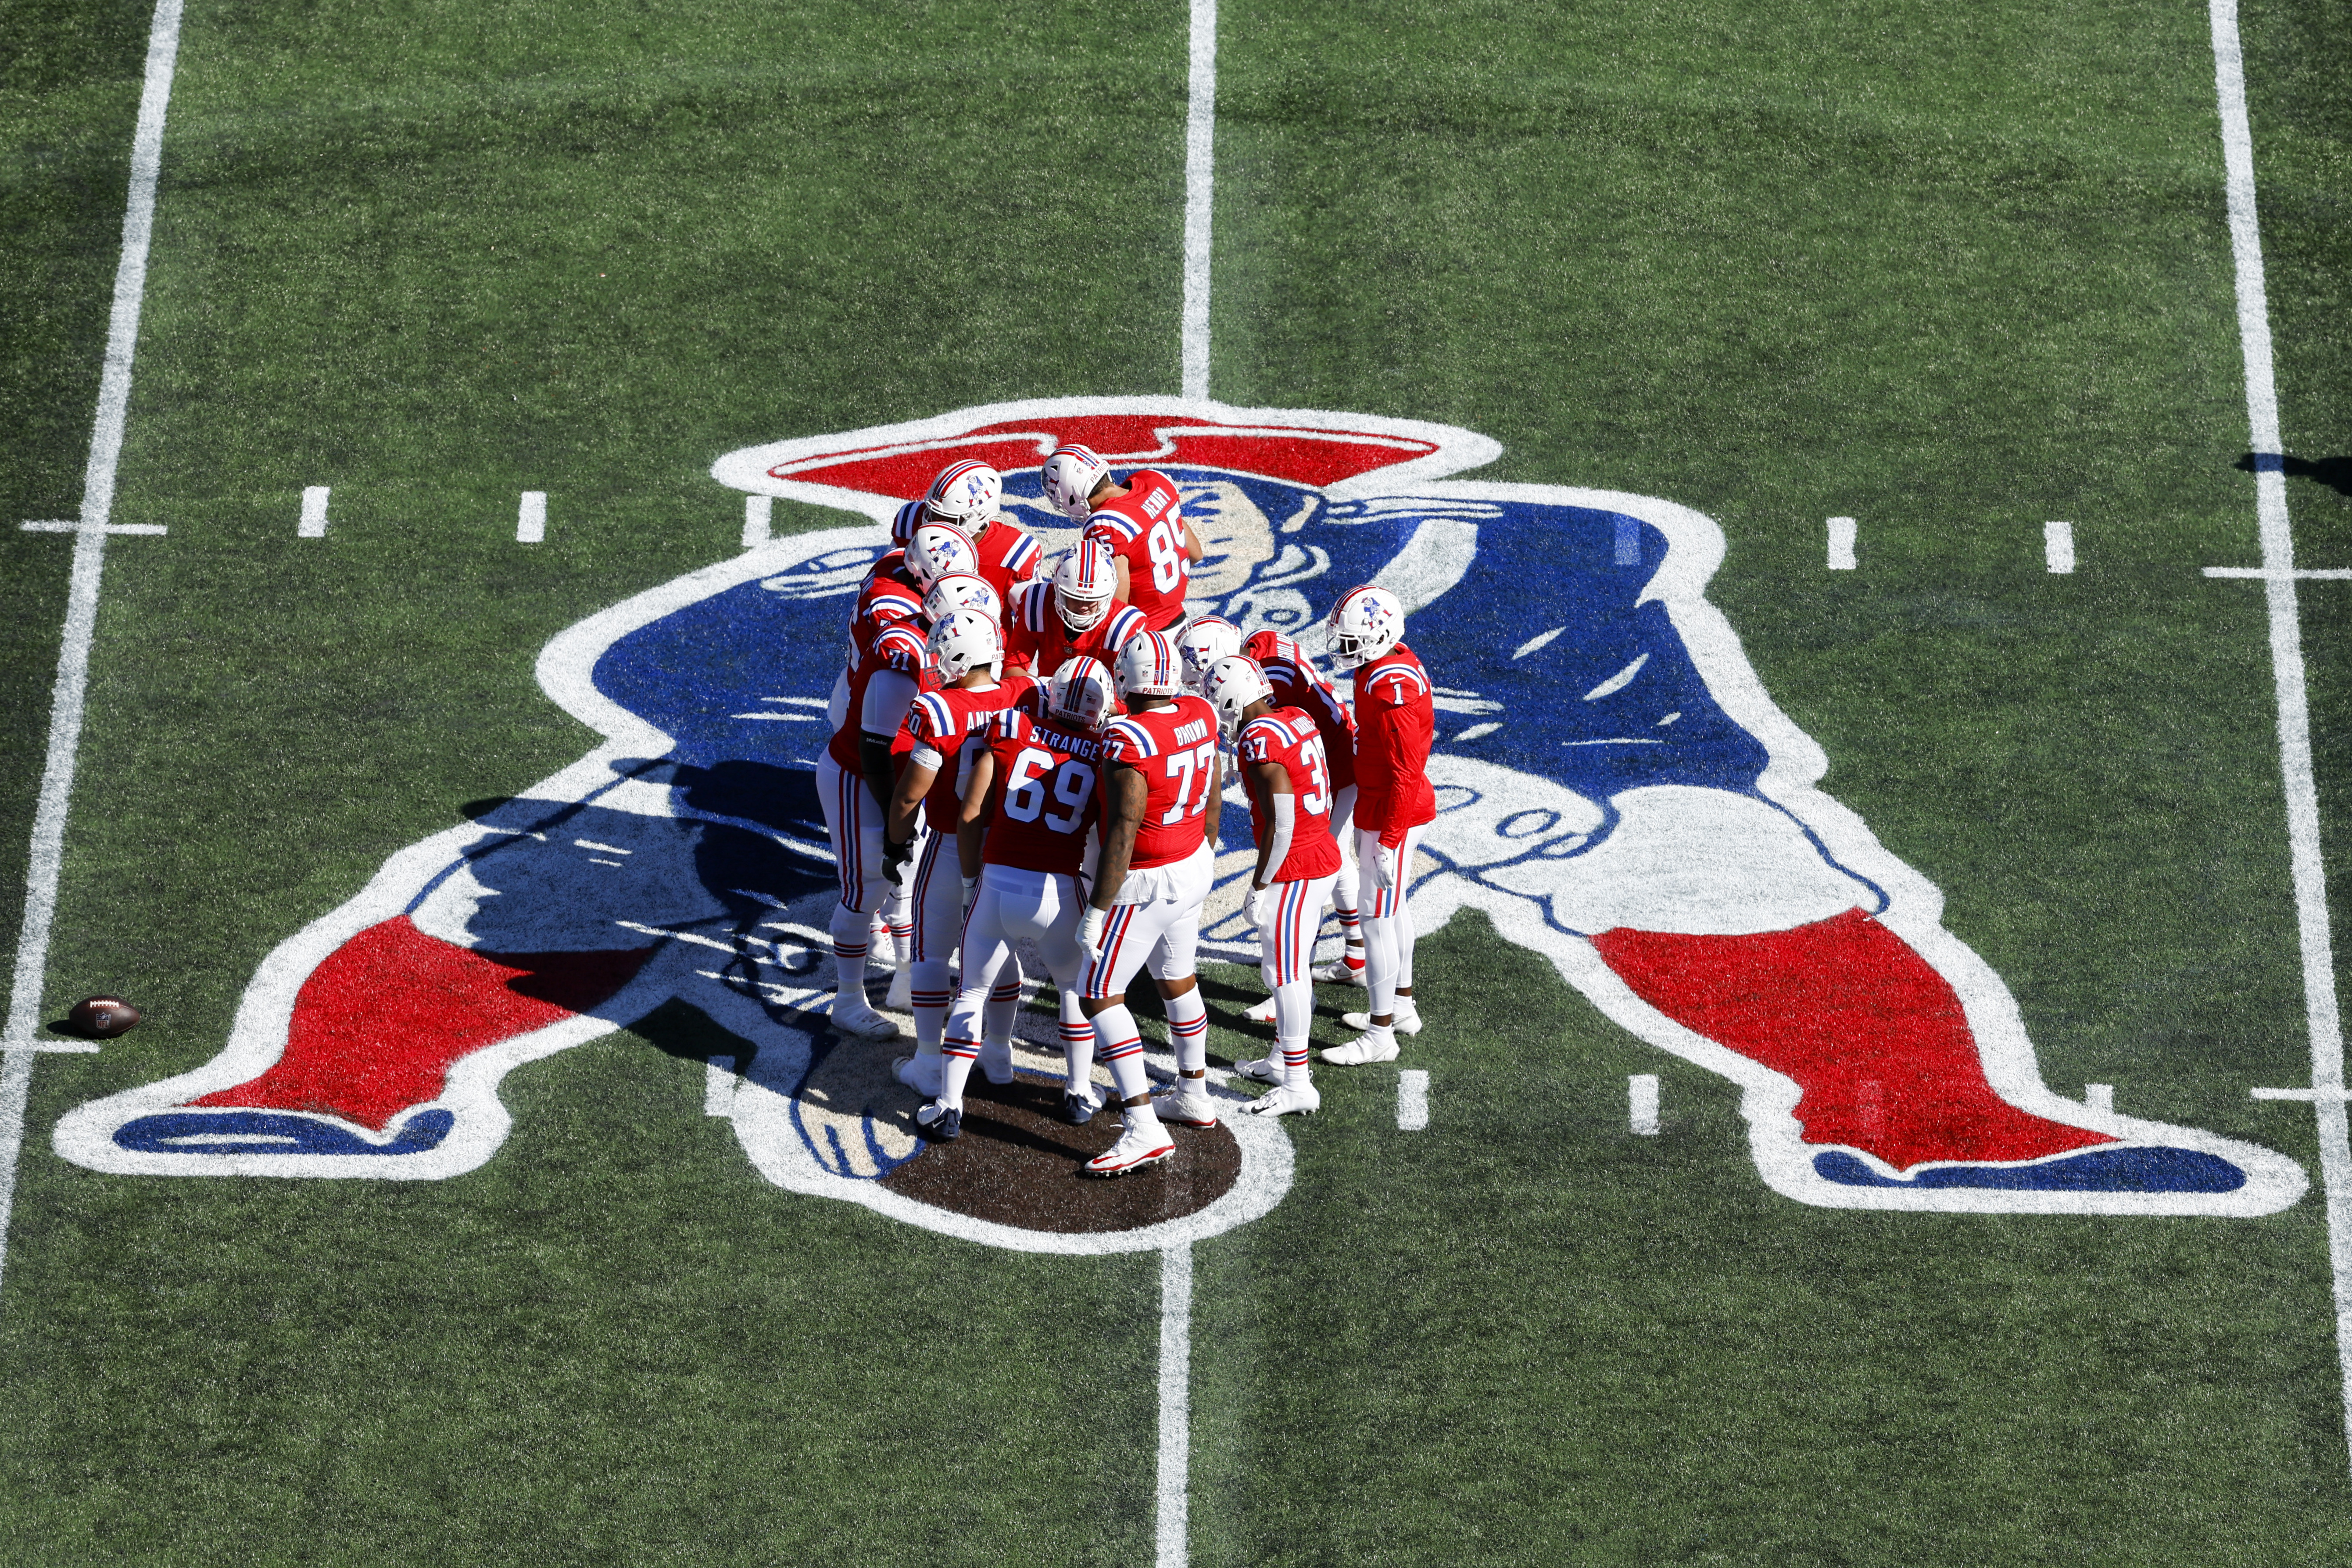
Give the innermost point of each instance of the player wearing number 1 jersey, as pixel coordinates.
(1030, 808)
(1280, 752)
(1296, 683)
(1162, 777)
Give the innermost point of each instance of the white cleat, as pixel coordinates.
(1407, 1017)
(1288, 1101)
(1145, 1142)
(1260, 1014)
(996, 1060)
(1371, 1046)
(1186, 1103)
(1339, 971)
(901, 998)
(919, 1073)
(853, 1015)
(1261, 1069)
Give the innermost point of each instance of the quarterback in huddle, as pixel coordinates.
(1030, 755)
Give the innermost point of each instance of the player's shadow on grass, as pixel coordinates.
(2336, 473)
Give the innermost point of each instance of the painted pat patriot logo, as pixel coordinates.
(1617, 793)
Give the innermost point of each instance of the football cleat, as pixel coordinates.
(1371, 1046)
(1186, 1101)
(1288, 1100)
(919, 1073)
(855, 1016)
(1261, 1069)
(940, 1123)
(1339, 971)
(1261, 1012)
(1406, 1018)
(1078, 1110)
(1145, 1142)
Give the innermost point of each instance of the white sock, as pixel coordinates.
(850, 935)
(932, 992)
(1121, 1048)
(1188, 1030)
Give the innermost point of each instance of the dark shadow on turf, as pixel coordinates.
(2336, 473)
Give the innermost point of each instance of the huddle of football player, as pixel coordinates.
(1061, 739)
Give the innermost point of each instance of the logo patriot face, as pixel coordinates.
(1617, 791)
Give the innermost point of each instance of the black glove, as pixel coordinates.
(894, 861)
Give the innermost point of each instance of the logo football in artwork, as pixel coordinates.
(1617, 793)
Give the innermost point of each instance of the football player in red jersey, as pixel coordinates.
(1298, 684)
(1073, 616)
(1280, 752)
(1030, 809)
(1140, 523)
(1161, 779)
(885, 681)
(1395, 718)
(968, 654)
(966, 495)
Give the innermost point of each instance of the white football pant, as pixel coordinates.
(1289, 914)
(1388, 920)
(1008, 905)
(1161, 929)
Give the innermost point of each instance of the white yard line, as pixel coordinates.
(1200, 186)
(2278, 577)
(1175, 1401)
(1641, 1104)
(314, 513)
(2058, 547)
(1842, 537)
(1412, 1100)
(19, 1044)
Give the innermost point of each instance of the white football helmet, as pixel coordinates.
(1083, 584)
(937, 550)
(1364, 624)
(1231, 685)
(965, 640)
(1071, 476)
(1082, 692)
(1205, 641)
(1150, 666)
(965, 496)
(961, 590)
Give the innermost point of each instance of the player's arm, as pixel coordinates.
(1193, 550)
(1126, 793)
(1214, 809)
(1119, 565)
(914, 783)
(888, 695)
(1272, 799)
(979, 811)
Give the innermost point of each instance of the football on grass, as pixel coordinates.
(102, 1017)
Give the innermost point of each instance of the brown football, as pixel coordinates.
(102, 1017)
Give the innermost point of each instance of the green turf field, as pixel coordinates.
(1953, 272)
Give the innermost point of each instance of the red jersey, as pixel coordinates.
(1145, 528)
(1037, 639)
(1395, 720)
(1174, 746)
(1045, 793)
(897, 647)
(1289, 738)
(1298, 684)
(1008, 558)
(887, 594)
(939, 723)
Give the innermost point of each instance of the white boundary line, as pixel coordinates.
(47, 855)
(1175, 1402)
(2320, 1008)
(1199, 190)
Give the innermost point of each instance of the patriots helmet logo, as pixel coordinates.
(1617, 791)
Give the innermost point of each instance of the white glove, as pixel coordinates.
(1385, 868)
(1249, 902)
(1090, 926)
